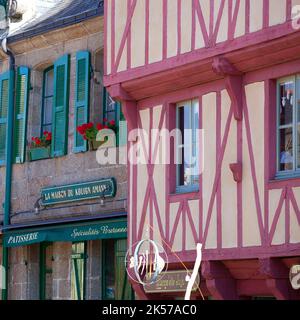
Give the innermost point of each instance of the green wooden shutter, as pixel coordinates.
(122, 127)
(123, 287)
(22, 97)
(60, 111)
(82, 97)
(4, 104)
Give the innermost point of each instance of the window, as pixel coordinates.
(112, 112)
(115, 279)
(187, 159)
(78, 271)
(46, 273)
(47, 102)
(288, 126)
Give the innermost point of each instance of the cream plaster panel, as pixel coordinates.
(255, 103)
(223, 30)
(228, 185)
(195, 213)
(279, 236)
(256, 15)
(186, 26)
(241, 21)
(209, 126)
(199, 40)
(274, 198)
(177, 246)
(205, 7)
(172, 25)
(138, 35)
(277, 12)
(108, 41)
(121, 17)
(294, 227)
(155, 30)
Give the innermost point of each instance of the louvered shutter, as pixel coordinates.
(60, 111)
(122, 127)
(22, 97)
(4, 104)
(82, 97)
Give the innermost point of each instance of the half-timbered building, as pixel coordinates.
(230, 68)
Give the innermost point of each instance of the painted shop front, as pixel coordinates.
(227, 73)
(83, 260)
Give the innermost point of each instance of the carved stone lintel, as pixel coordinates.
(237, 171)
(233, 82)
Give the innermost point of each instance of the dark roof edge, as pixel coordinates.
(62, 23)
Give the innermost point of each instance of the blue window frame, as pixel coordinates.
(187, 156)
(288, 127)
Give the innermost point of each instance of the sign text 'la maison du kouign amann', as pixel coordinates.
(105, 188)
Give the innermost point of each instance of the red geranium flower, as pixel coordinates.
(112, 122)
(99, 126)
(104, 120)
(90, 125)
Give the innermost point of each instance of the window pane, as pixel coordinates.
(188, 123)
(78, 272)
(109, 279)
(49, 76)
(110, 108)
(47, 111)
(286, 103)
(286, 156)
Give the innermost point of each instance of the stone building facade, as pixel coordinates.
(45, 269)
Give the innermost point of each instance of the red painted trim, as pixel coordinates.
(288, 10)
(266, 13)
(247, 13)
(183, 217)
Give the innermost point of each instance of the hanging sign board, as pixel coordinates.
(77, 192)
(171, 281)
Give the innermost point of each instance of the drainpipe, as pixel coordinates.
(9, 159)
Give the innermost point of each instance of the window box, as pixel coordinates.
(39, 153)
(94, 144)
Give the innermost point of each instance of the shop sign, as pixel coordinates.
(171, 281)
(77, 192)
(295, 277)
(101, 230)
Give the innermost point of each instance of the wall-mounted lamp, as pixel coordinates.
(37, 206)
(102, 201)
